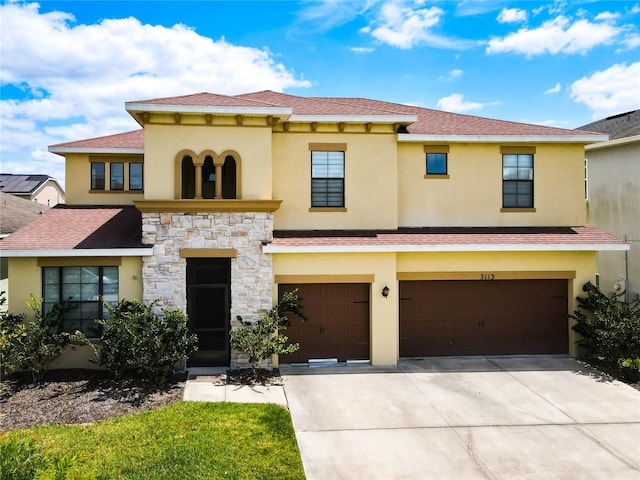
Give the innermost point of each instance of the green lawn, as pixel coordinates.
(187, 440)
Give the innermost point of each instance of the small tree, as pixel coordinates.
(135, 337)
(610, 328)
(264, 338)
(34, 345)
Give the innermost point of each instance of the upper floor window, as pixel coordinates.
(97, 176)
(517, 180)
(436, 163)
(83, 287)
(135, 176)
(327, 179)
(126, 175)
(116, 171)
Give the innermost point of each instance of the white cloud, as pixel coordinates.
(452, 75)
(83, 74)
(555, 89)
(555, 36)
(607, 16)
(611, 91)
(512, 15)
(456, 103)
(403, 25)
(362, 49)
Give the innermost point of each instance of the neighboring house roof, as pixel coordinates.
(447, 239)
(16, 212)
(617, 126)
(23, 184)
(419, 121)
(65, 230)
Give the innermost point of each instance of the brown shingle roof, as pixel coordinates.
(431, 236)
(429, 121)
(16, 212)
(64, 227)
(134, 139)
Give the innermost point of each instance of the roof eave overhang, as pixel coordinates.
(203, 109)
(613, 143)
(95, 150)
(93, 252)
(386, 119)
(422, 138)
(586, 247)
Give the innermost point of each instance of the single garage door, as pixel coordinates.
(469, 317)
(337, 325)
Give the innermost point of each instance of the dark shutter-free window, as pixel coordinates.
(517, 181)
(97, 176)
(135, 176)
(117, 176)
(327, 179)
(83, 287)
(436, 163)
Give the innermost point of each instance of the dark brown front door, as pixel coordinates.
(468, 317)
(337, 325)
(208, 304)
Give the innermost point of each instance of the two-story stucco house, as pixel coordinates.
(408, 231)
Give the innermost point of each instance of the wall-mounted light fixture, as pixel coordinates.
(385, 291)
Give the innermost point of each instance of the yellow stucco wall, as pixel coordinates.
(164, 142)
(78, 181)
(370, 181)
(472, 195)
(386, 266)
(26, 280)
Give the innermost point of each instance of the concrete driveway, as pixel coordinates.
(538, 417)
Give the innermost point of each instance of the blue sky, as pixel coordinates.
(67, 67)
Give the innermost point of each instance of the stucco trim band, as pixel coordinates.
(280, 279)
(488, 276)
(208, 253)
(98, 252)
(207, 206)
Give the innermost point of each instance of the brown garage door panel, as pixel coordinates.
(483, 317)
(337, 325)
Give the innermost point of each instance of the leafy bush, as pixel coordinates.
(136, 338)
(263, 338)
(610, 329)
(34, 345)
(25, 459)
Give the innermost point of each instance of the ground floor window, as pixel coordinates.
(84, 287)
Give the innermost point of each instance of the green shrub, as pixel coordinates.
(263, 338)
(34, 345)
(136, 338)
(610, 328)
(26, 459)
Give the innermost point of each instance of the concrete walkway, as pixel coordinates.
(465, 418)
(205, 385)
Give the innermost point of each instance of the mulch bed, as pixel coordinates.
(87, 396)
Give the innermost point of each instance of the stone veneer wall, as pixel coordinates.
(164, 273)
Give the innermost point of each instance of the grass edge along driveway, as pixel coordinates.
(192, 440)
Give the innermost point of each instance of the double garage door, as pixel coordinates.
(469, 317)
(437, 317)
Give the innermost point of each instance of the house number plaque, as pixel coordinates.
(487, 276)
